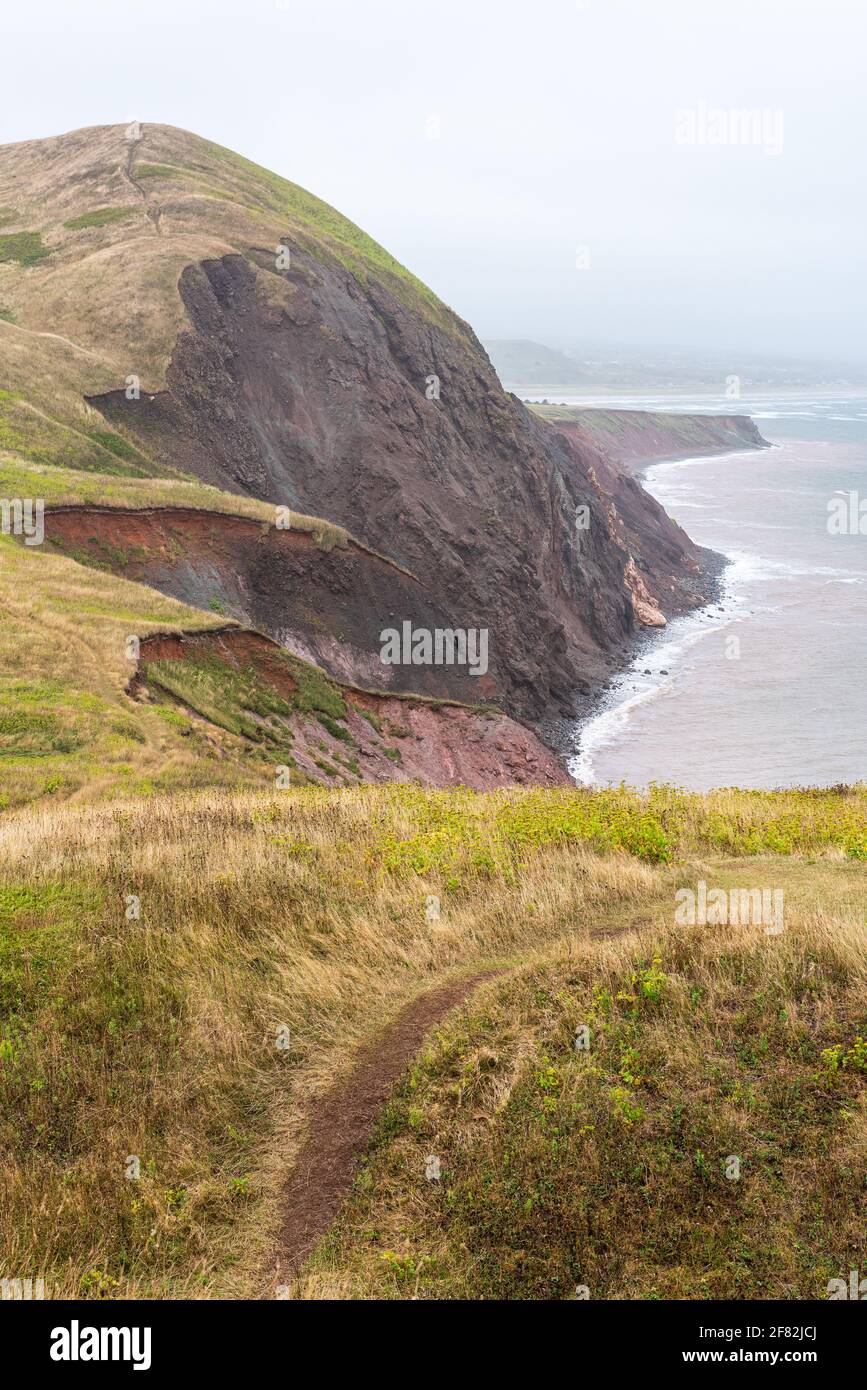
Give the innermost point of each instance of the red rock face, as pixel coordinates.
(449, 747)
(389, 739)
(308, 390)
(327, 606)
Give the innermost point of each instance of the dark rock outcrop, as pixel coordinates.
(308, 389)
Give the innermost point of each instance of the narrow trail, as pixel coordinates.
(152, 212)
(342, 1123)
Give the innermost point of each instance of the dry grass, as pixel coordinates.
(611, 1170)
(156, 1036)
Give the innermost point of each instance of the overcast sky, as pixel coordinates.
(556, 169)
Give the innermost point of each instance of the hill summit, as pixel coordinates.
(171, 309)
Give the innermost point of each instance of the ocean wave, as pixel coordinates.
(664, 658)
(798, 410)
(746, 567)
(608, 726)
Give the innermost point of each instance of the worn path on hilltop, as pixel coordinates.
(342, 1123)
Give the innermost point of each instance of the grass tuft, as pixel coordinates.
(99, 217)
(24, 247)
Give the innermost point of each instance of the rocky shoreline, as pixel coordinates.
(632, 442)
(562, 734)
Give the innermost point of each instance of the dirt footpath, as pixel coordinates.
(343, 1121)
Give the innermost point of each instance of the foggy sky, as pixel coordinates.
(531, 162)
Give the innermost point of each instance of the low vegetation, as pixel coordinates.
(68, 486)
(24, 247)
(153, 953)
(656, 827)
(240, 700)
(158, 171)
(30, 436)
(678, 1114)
(99, 217)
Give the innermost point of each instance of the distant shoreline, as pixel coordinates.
(589, 394)
(562, 734)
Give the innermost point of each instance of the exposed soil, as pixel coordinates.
(309, 389)
(327, 605)
(342, 1123)
(382, 738)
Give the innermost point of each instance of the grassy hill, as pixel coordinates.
(191, 959)
(96, 229)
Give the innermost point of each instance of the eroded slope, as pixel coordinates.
(310, 729)
(336, 384)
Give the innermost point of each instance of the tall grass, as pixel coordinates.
(707, 1140)
(152, 953)
(154, 1037)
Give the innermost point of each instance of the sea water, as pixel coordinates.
(767, 687)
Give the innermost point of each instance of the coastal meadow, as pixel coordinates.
(183, 977)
